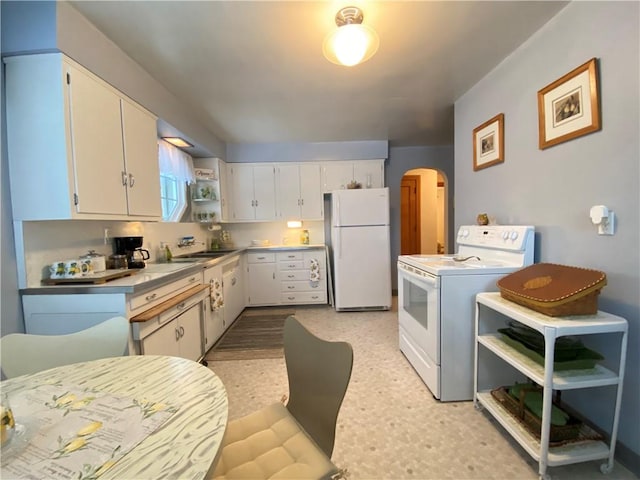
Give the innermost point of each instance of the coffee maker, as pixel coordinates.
(131, 247)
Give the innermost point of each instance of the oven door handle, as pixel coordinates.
(433, 282)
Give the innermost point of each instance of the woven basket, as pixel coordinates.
(555, 290)
(533, 424)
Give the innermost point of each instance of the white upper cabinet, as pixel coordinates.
(141, 160)
(225, 214)
(77, 147)
(253, 193)
(299, 194)
(337, 175)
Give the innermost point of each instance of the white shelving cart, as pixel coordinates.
(498, 364)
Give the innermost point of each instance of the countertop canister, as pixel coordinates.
(98, 261)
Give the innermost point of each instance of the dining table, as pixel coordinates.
(130, 417)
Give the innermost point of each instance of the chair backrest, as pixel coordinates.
(319, 372)
(22, 353)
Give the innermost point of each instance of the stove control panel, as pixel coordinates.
(507, 237)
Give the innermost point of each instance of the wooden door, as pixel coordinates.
(410, 215)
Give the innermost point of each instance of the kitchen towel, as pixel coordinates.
(215, 292)
(314, 270)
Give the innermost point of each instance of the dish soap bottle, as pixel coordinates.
(168, 253)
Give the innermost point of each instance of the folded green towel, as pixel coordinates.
(565, 348)
(533, 401)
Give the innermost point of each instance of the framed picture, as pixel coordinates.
(488, 143)
(568, 108)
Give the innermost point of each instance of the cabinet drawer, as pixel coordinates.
(262, 257)
(305, 297)
(154, 297)
(286, 256)
(302, 286)
(292, 265)
(294, 275)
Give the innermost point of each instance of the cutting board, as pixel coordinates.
(95, 278)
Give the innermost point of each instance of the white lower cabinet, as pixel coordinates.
(298, 283)
(180, 337)
(498, 364)
(262, 270)
(286, 277)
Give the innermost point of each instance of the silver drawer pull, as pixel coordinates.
(291, 276)
(180, 305)
(292, 265)
(291, 298)
(177, 334)
(291, 256)
(148, 298)
(291, 287)
(261, 258)
(192, 279)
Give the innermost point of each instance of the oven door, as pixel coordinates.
(419, 323)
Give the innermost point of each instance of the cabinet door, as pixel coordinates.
(189, 327)
(370, 173)
(289, 200)
(312, 202)
(224, 191)
(164, 341)
(264, 286)
(242, 198)
(96, 136)
(336, 175)
(141, 161)
(264, 186)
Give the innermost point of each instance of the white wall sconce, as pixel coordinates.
(603, 218)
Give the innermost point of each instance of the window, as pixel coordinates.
(176, 171)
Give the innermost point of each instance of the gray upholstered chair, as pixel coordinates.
(22, 353)
(296, 440)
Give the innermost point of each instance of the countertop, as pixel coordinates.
(155, 274)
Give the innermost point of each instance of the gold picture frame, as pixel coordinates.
(569, 107)
(488, 143)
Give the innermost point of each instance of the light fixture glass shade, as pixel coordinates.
(294, 224)
(351, 42)
(177, 141)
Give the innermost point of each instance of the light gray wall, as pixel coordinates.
(303, 152)
(554, 188)
(402, 159)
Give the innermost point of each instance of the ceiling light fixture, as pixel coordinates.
(177, 142)
(352, 42)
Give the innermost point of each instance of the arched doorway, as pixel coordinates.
(422, 212)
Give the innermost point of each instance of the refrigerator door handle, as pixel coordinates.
(339, 243)
(338, 212)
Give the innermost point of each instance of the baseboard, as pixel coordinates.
(628, 458)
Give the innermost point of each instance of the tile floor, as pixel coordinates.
(390, 426)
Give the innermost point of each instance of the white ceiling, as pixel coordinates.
(254, 71)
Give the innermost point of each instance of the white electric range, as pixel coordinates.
(436, 302)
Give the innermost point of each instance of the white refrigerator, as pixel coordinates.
(360, 249)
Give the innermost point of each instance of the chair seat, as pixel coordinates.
(270, 444)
